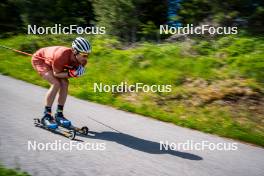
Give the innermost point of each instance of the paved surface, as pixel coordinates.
(134, 150)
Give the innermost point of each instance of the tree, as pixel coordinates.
(248, 13)
(118, 16)
(10, 19)
(127, 18)
(65, 12)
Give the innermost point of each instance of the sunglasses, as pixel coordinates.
(83, 54)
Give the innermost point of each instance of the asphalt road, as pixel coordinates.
(120, 143)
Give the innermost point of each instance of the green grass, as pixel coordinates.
(14, 172)
(228, 63)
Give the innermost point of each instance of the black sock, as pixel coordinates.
(47, 110)
(59, 109)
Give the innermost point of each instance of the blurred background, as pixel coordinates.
(131, 20)
(217, 80)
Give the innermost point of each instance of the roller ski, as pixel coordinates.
(49, 124)
(65, 123)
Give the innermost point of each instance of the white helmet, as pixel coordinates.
(81, 45)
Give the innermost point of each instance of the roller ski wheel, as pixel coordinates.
(72, 134)
(85, 130)
(36, 121)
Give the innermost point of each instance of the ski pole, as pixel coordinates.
(22, 52)
(15, 50)
(25, 53)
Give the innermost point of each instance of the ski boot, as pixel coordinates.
(61, 120)
(48, 121)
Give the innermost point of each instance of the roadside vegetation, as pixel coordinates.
(14, 172)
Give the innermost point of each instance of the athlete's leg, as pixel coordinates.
(54, 88)
(63, 92)
(49, 99)
(45, 71)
